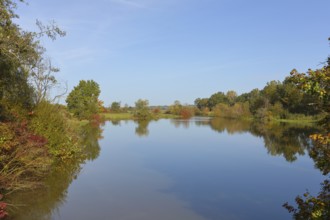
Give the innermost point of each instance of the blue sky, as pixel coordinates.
(167, 50)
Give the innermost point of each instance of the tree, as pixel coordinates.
(43, 80)
(216, 98)
(142, 110)
(317, 84)
(83, 99)
(19, 52)
(115, 107)
(176, 108)
(271, 91)
(257, 101)
(292, 98)
(243, 97)
(231, 97)
(201, 103)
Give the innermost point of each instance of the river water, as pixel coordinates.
(201, 169)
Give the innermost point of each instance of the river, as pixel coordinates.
(201, 169)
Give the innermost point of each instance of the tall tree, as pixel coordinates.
(19, 53)
(83, 99)
(43, 79)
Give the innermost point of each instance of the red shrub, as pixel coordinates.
(186, 113)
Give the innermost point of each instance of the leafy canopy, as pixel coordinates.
(83, 99)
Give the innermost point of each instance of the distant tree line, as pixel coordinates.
(280, 100)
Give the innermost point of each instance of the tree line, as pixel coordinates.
(277, 100)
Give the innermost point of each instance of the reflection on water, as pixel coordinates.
(201, 168)
(42, 203)
(280, 139)
(181, 122)
(142, 128)
(287, 140)
(91, 134)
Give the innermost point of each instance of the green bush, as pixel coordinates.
(142, 110)
(238, 110)
(51, 122)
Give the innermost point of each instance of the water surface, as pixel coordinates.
(199, 169)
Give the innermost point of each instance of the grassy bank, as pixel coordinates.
(298, 121)
(117, 116)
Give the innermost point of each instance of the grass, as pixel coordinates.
(302, 119)
(117, 116)
(77, 123)
(298, 121)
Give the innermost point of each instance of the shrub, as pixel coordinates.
(142, 110)
(50, 121)
(186, 112)
(156, 111)
(3, 206)
(24, 158)
(238, 110)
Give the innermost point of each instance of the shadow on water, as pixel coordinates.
(42, 203)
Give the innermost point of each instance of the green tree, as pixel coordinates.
(176, 108)
(17, 53)
(257, 101)
(292, 98)
(231, 97)
(316, 83)
(271, 91)
(216, 98)
(243, 97)
(83, 99)
(20, 51)
(201, 103)
(142, 110)
(115, 107)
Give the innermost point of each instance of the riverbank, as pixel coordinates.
(31, 145)
(294, 119)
